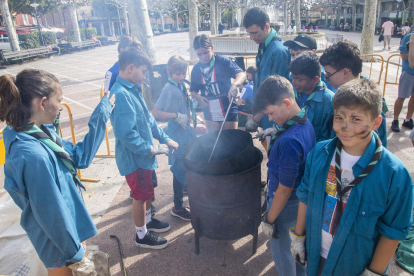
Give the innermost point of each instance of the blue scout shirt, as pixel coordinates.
(288, 156)
(110, 77)
(53, 212)
(275, 60)
(381, 204)
(225, 69)
(405, 65)
(134, 129)
(320, 111)
(173, 100)
(248, 93)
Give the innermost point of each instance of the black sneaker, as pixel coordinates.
(182, 213)
(153, 210)
(408, 124)
(151, 241)
(157, 226)
(394, 126)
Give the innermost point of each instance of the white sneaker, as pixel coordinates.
(383, 49)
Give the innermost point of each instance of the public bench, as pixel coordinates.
(10, 56)
(76, 46)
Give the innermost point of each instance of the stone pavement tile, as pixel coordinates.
(216, 257)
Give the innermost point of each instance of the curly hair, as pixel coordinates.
(307, 63)
(344, 54)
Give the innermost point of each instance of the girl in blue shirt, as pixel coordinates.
(40, 169)
(212, 76)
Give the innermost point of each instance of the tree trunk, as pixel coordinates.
(276, 15)
(8, 24)
(368, 31)
(307, 17)
(297, 15)
(405, 15)
(75, 26)
(125, 15)
(141, 27)
(219, 11)
(378, 25)
(213, 26)
(162, 21)
(193, 25)
(326, 17)
(354, 17)
(243, 13)
(285, 16)
(102, 29)
(232, 17)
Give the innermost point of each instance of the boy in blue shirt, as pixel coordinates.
(304, 43)
(312, 94)
(287, 155)
(356, 197)
(342, 62)
(134, 130)
(245, 102)
(174, 104)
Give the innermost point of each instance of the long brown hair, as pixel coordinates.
(16, 95)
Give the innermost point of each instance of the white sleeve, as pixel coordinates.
(107, 82)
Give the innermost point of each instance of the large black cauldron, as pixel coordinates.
(225, 194)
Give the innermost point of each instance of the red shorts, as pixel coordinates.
(140, 183)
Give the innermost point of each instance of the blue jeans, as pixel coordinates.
(280, 248)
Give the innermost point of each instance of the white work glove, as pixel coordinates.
(251, 126)
(182, 119)
(269, 229)
(159, 149)
(368, 272)
(297, 247)
(271, 131)
(84, 268)
(233, 91)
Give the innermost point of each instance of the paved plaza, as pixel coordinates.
(81, 75)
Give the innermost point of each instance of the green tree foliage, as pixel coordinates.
(105, 8)
(23, 6)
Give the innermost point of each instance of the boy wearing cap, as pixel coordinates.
(303, 43)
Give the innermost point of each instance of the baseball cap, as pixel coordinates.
(302, 41)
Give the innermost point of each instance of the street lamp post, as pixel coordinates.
(35, 5)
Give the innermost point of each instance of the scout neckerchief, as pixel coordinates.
(262, 49)
(189, 103)
(320, 86)
(341, 192)
(298, 118)
(207, 76)
(43, 134)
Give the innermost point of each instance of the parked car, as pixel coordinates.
(4, 43)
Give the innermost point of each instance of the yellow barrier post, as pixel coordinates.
(2, 150)
(370, 69)
(109, 154)
(74, 140)
(386, 72)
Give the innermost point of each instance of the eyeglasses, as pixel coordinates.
(327, 77)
